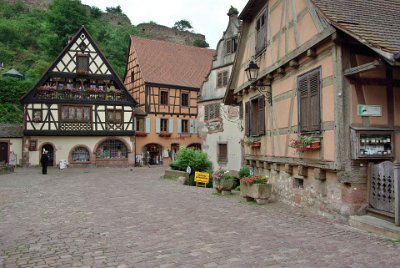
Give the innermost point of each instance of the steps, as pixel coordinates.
(376, 226)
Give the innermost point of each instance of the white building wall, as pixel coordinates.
(63, 146)
(16, 148)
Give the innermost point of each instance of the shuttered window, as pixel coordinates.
(255, 117)
(222, 152)
(164, 98)
(185, 126)
(230, 45)
(164, 125)
(82, 63)
(211, 111)
(309, 87)
(185, 100)
(261, 31)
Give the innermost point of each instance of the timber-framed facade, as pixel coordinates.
(165, 79)
(329, 75)
(79, 100)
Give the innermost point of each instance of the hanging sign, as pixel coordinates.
(369, 110)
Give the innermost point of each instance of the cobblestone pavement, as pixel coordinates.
(121, 218)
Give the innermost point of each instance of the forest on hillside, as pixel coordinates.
(30, 39)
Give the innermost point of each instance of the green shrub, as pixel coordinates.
(195, 159)
(244, 172)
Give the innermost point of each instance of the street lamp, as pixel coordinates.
(252, 74)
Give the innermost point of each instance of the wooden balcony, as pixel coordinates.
(65, 94)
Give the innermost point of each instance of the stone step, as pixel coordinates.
(376, 226)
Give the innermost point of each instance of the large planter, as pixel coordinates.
(260, 193)
(224, 185)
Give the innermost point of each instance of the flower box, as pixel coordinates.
(304, 143)
(315, 145)
(256, 144)
(260, 193)
(141, 134)
(225, 185)
(164, 134)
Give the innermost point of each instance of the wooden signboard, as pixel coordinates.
(201, 177)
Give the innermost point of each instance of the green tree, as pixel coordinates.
(116, 9)
(65, 17)
(200, 43)
(182, 25)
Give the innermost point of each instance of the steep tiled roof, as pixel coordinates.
(11, 130)
(168, 63)
(376, 22)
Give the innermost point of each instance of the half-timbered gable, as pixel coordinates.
(165, 79)
(323, 90)
(219, 124)
(80, 95)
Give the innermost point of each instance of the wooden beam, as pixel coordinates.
(363, 68)
(375, 81)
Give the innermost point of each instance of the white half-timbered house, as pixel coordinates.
(79, 111)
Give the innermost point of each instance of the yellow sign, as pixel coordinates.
(201, 177)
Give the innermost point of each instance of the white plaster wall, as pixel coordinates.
(63, 146)
(16, 148)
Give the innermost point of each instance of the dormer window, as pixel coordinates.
(230, 45)
(82, 64)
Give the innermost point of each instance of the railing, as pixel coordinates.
(78, 95)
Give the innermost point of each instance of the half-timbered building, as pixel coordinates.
(79, 111)
(319, 82)
(165, 79)
(220, 126)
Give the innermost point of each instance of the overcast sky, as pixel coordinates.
(207, 17)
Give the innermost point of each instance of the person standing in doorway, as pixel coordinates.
(44, 160)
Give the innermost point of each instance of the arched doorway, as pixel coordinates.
(196, 146)
(174, 149)
(50, 152)
(153, 154)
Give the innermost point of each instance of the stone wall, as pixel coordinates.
(164, 33)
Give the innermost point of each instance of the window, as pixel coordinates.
(37, 115)
(222, 152)
(164, 97)
(185, 126)
(185, 99)
(140, 124)
(211, 111)
(32, 145)
(115, 116)
(255, 117)
(82, 64)
(80, 154)
(309, 88)
(112, 149)
(230, 45)
(222, 79)
(261, 31)
(132, 76)
(164, 125)
(74, 114)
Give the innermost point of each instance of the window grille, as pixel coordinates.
(112, 149)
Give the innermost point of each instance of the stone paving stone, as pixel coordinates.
(115, 217)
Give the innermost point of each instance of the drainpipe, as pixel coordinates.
(397, 192)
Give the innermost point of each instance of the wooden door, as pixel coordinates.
(381, 186)
(4, 152)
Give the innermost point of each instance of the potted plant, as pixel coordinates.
(305, 143)
(255, 188)
(223, 181)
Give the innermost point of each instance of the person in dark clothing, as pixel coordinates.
(45, 162)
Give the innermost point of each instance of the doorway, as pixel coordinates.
(4, 152)
(153, 154)
(50, 152)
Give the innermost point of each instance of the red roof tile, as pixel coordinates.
(375, 21)
(169, 63)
